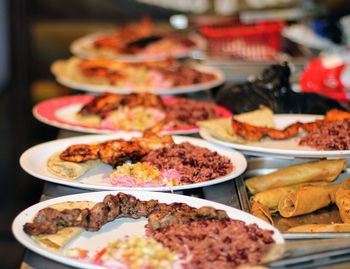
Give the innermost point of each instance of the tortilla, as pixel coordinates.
(342, 200)
(68, 70)
(62, 237)
(323, 170)
(262, 117)
(262, 212)
(69, 170)
(321, 228)
(89, 119)
(306, 199)
(271, 197)
(222, 129)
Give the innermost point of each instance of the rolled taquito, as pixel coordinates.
(261, 211)
(270, 198)
(323, 170)
(342, 200)
(306, 199)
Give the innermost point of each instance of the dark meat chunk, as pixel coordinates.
(112, 203)
(98, 217)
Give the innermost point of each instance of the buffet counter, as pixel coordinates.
(225, 193)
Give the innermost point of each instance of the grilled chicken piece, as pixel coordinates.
(105, 103)
(143, 99)
(80, 153)
(151, 141)
(117, 151)
(102, 104)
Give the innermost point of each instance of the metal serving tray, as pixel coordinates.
(261, 166)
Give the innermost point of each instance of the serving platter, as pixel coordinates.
(61, 112)
(83, 47)
(262, 166)
(117, 228)
(34, 161)
(288, 148)
(66, 73)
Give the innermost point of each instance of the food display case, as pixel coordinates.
(149, 132)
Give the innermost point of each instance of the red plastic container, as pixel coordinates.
(265, 34)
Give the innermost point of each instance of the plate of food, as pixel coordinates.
(303, 199)
(136, 229)
(137, 42)
(127, 162)
(165, 77)
(108, 113)
(261, 132)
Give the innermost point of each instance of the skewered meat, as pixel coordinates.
(160, 215)
(116, 151)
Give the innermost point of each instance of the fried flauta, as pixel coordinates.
(306, 200)
(270, 198)
(323, 170)
(262, 212)
(342, 200)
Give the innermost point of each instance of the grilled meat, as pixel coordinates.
(255, 133)
(80, 153)
(116, 151)
(105, 103)
(160, 215)
(102, 104)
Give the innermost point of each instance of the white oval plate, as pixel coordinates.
(82, 47)
(33, 161)
(280, 148)
(70, 83)
(118, 228)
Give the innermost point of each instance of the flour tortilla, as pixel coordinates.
(222, 129)
(65, 235)
(69, 170)
(68, 70)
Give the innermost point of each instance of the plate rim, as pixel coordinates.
(26, 214)
(239, 163)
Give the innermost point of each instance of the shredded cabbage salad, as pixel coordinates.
(130, 253)
(143, 175)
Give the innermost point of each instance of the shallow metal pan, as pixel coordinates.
(261, 166)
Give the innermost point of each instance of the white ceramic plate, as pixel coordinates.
(219, 79)
(33, 161)
(118, 228)
(82, 47)
(280, 148)
(61, 112)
